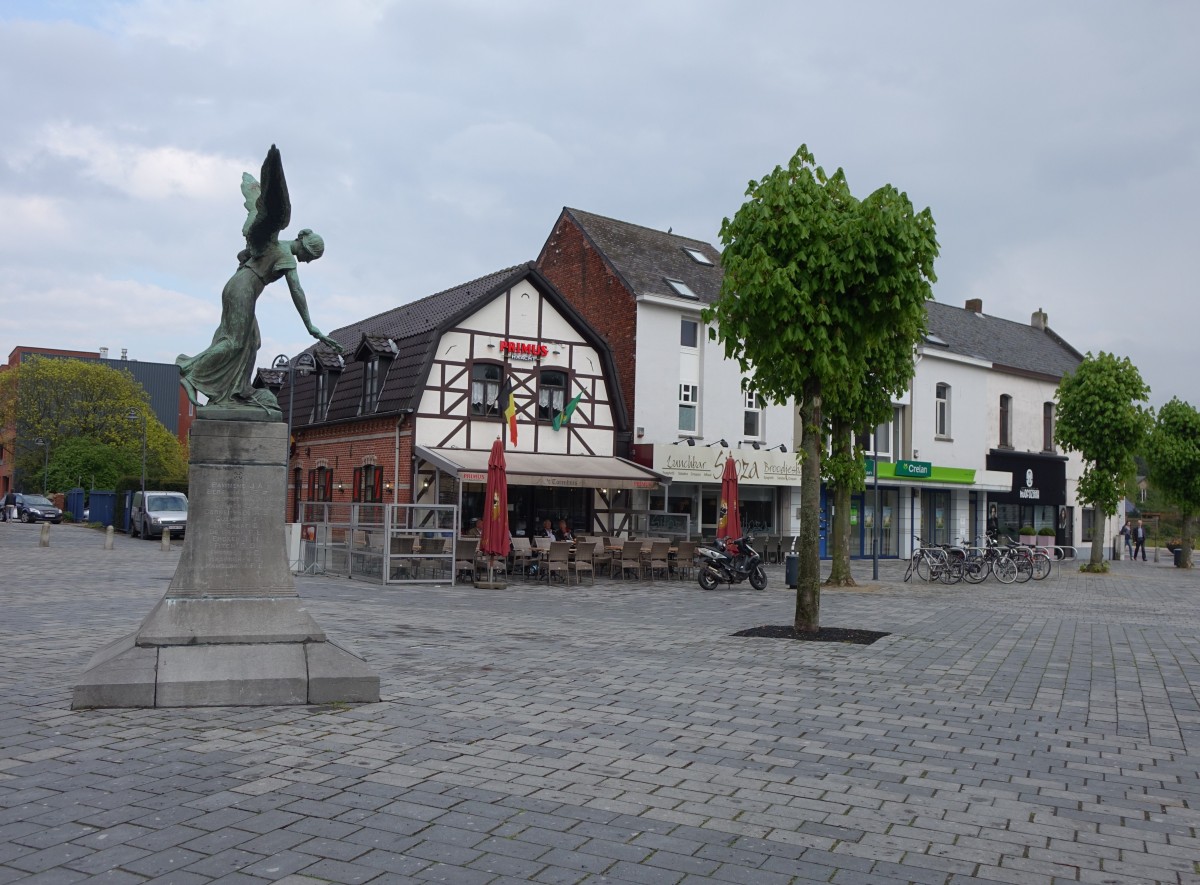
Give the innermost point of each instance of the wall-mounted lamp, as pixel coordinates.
(387, 486)
(641, 431)
(491, 345)
(916, 454)
(341, 486)
(690, 441)
(554, 350)
(756, 446)
(782, 447)
(721, 442)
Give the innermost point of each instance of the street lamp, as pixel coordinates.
(134, 415)
(304, 364)
(45, 444)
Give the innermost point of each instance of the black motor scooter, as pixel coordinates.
(730, 562)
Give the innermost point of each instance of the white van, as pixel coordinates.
(160, 512)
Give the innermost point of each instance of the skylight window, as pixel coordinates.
(681, 288)
(934, 339)
(698, 256)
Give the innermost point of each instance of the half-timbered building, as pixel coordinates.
(408, 413)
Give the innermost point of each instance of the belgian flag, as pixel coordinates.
(508, 408)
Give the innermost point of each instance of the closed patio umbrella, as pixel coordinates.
(494, 539)
(729, 519)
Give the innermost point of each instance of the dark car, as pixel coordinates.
(35, 508)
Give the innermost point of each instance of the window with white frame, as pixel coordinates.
(941, 410)
(689, 333)
(689, 404)
(752, 423)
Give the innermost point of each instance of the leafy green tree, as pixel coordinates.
(63, 400)
(1173, 453)
(855, 407)
(1101, 415)
(88, 464)
(815, 280)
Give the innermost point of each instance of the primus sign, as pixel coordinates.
(523, 350)
(687, 464)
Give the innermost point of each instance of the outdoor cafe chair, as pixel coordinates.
(558, 561)
(522, 555)
(464, 557)
(659, 559)
(685, 556)
(602, 557)
(585, 556)
(631, 558)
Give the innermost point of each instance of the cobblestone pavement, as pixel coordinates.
(1046, 732)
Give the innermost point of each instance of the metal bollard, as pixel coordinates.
(166, 541)
(108, 538)
(44, 540)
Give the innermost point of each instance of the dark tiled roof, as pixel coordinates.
(1005, 343)
(416, 329)
(644, 257)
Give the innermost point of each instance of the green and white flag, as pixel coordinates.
(565, 415)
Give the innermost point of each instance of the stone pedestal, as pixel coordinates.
(231, 629)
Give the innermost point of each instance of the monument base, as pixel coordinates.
(231, 629)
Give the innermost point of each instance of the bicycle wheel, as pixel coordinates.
(1024, 569)
(975, 570)
(1005, 570)
(908, 572)
(951, 570)
(1041, 565)
(924, 567)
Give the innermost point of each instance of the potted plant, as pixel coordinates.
(1045, 536)
(1028, 535)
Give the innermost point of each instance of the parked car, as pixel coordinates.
(157, 512)
(35, 508)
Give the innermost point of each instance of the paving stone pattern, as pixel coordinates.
(1046, 732)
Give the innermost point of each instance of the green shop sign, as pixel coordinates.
(920, 470)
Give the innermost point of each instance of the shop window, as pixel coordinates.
(1048, 427)
(320, 484)
(1089, 522)
(552, 394)
(368, 484)
(689, 333)
(941, 406)
(752, 420)
(1005, 421)
(689, 399)
(485, 389)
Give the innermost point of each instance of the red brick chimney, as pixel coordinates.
(975, 304)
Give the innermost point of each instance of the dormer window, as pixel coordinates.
(698, 256)
(682, 288)
(375, 354)
(370, 391)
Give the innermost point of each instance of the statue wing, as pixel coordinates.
(268, 205)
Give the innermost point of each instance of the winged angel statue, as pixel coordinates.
(223, 371)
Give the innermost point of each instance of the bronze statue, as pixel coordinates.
(222, 372)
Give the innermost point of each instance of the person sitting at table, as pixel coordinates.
(476, 529)
(563, 533)
(547, 530)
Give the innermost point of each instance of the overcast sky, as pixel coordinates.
(431, 143)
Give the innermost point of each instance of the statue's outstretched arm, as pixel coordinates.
(298, 299)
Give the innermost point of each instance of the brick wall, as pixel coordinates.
(343, 447)
(577, 270)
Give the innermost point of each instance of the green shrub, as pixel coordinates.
(1027, 530)
(1046, 531)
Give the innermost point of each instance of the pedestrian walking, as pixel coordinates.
(10, 506)
(1127, 534)
(1139, 540)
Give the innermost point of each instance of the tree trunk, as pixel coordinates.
(1186, 540)
(839, 570)
(1098, 540)
(808, 565)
